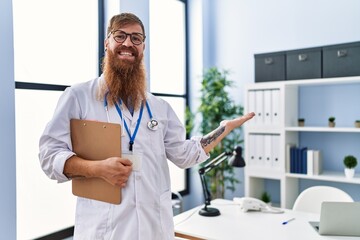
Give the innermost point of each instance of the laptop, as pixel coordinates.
(339, 218)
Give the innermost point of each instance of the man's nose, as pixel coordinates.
(127, 41)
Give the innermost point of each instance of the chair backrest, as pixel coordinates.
(311, 198)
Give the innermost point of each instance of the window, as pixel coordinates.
(53, 36)
(52, 50)
(168, 72)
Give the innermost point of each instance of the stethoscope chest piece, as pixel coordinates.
(153, 124)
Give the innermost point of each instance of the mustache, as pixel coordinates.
(133, 50)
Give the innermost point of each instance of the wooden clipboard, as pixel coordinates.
(93, 140)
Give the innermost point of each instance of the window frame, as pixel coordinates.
(68, 232)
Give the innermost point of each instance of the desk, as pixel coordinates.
(234, 224)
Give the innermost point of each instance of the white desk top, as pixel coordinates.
(235, 224)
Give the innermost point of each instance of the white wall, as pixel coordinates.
(196, 65)
(245, 27)
(7, 124)
(235, 30)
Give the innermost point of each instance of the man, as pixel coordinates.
(152, 133)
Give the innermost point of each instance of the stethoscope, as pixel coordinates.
(152, 124)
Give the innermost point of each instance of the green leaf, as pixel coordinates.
(215, 106)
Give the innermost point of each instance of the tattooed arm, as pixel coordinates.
(209, 141)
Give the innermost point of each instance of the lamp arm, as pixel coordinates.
(216, 163)
(207, 194)
(208, 167)
(211, 163)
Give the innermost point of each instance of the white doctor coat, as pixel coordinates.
(145, 211)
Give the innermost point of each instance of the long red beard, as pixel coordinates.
(125, 80)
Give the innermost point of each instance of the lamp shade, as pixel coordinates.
(237, 160)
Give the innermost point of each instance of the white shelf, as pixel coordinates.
(265, 129)
(324, 81)
(288, 110)
(265, 173)
(322, 129)
(327, 176)
(305, 82)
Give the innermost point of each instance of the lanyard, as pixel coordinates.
(152, 124)
(132, 137)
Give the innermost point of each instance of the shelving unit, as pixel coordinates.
(286, 108)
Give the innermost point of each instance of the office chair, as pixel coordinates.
(311, 198)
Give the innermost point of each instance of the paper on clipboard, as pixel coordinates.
(93, 140)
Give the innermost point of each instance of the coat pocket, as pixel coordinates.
(92, 218)
(166, 215)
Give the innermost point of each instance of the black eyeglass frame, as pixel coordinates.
(128, 34)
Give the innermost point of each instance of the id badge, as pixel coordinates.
(135, 158)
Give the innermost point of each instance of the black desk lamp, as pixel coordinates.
(235, 161)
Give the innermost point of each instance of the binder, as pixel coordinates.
(289, 157)
(252, 150)
(252, 106)
(293, 159)
(93, 140)
(277, 162)
(259, 107)
(275, 107)
(303, 160)
(298, 160)
(310, 162)
(260, 151)
(268, 155)
(267, 107)
(317, 162)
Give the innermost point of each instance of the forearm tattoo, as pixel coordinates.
(211, 137)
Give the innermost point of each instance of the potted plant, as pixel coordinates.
(215, 106)
(301, 122)
(266, 198)
(357, 123)
(350, 163)
(331, 121)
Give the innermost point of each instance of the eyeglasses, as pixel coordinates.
(121, 36)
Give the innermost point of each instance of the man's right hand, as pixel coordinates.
(115, 170)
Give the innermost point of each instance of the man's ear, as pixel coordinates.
(106, 43)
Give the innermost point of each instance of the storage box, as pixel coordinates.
(270, 67)
(303, 64)
(341, 60)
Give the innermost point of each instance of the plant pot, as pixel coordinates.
(301, 123)
(331, 124)
(357, 124)
(349, 172)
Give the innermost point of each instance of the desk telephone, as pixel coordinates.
(254, 204)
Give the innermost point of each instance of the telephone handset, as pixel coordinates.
(254, 204)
